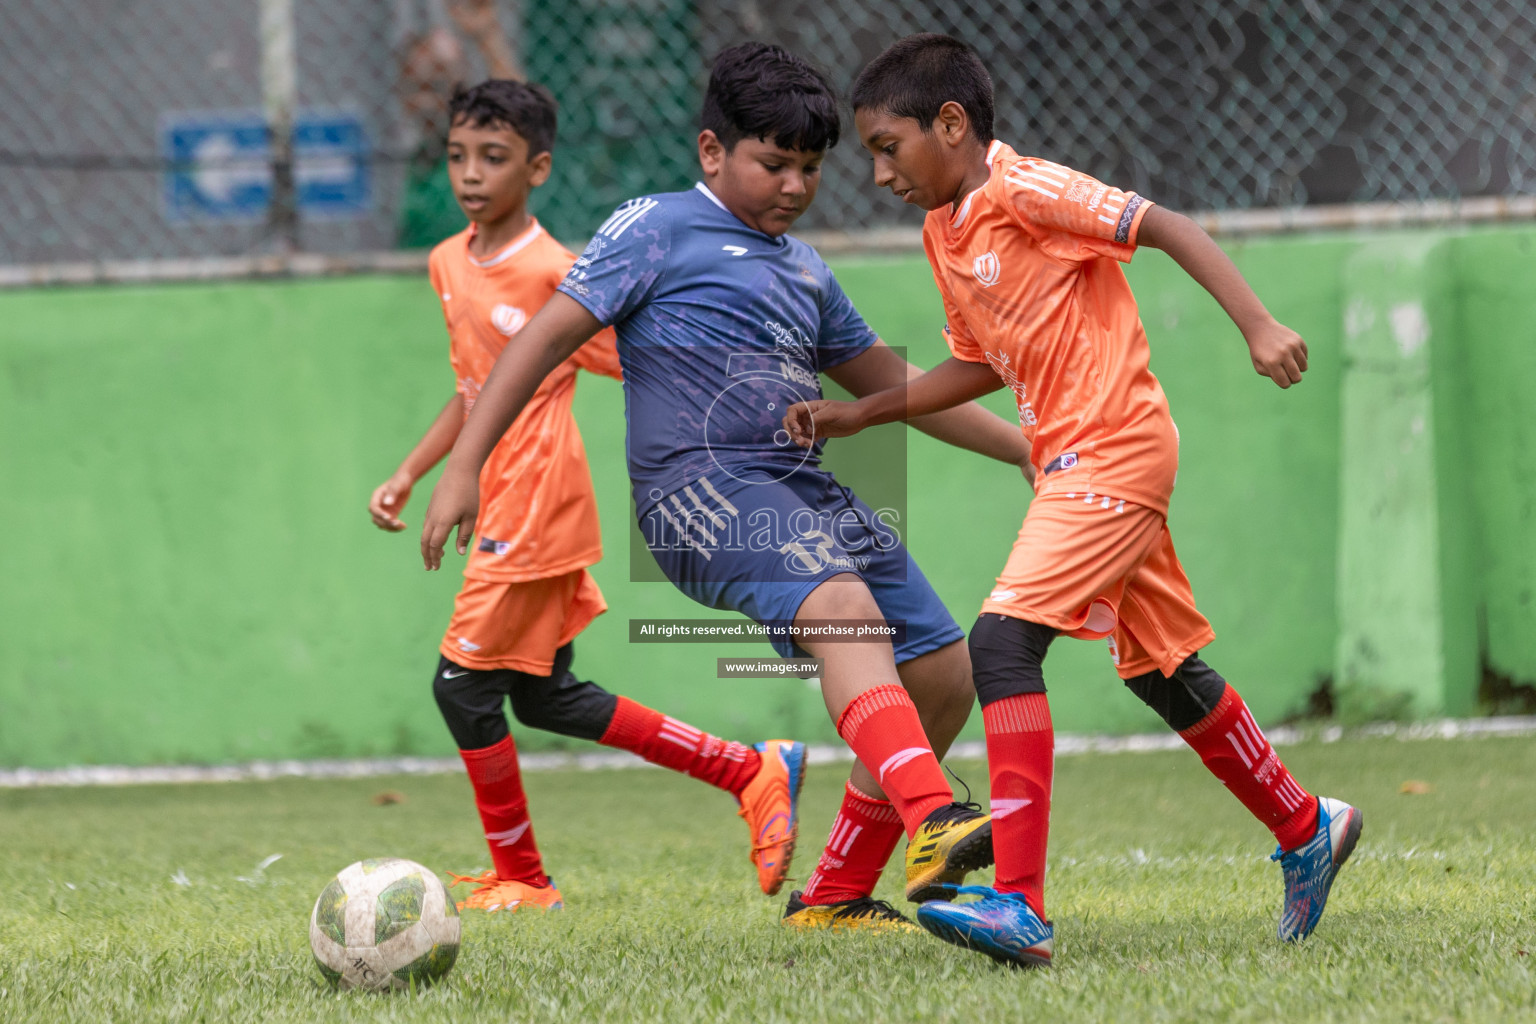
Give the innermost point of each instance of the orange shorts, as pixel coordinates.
(520, 625)
(1097, 567)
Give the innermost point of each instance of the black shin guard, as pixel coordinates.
(1184, 698)
(1007, 656)
(471, 702)
(561, 703)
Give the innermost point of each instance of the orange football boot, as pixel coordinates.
(504, 894)
(771, 806)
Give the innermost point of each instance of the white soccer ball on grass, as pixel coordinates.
(383, 924)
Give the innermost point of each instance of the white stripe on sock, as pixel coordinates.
(1232, 739)
(848, 845)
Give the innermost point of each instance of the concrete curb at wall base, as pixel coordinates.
(361, 768)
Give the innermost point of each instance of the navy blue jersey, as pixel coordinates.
(721, 329)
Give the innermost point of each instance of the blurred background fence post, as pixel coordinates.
(279, 90)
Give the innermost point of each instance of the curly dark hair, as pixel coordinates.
(763, 91)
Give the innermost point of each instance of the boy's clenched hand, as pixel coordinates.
(1277, 352)
(809, 422)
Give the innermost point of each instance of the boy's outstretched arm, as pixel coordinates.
(926, 400)
(556, 331)
(879, 369)
(1277, 351)
(390, 496)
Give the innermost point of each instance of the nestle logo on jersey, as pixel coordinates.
(987, 268)
(799, 374)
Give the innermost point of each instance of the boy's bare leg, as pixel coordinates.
(939, 683)
(868, 698)
(864, 695)
(866, 829)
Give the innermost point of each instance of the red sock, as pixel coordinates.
(863, 836)
(882, 727)
(1021, 750)
(1235, 750)
(503, 809)
(677, 745)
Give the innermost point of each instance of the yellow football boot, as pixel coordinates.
(862, 914)
(953, 840)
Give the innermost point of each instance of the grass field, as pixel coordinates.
(1164, 902)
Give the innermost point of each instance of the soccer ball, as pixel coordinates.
(384, 924)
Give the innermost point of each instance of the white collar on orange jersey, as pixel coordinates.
(965, 204)
(512, 248)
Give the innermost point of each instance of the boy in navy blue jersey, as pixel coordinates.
(724, 322)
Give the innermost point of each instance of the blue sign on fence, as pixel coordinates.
(219, 165)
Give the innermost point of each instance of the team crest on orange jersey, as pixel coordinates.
(508, 319)
(987, 268)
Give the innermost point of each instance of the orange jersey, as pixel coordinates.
(1029, 268)
(538, 515)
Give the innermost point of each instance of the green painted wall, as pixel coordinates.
(187, 570)
(1493, 466)
(1398, 615)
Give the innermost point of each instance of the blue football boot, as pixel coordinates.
(1310, 868)
(999, 924)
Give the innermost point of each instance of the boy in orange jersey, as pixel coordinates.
(527, 592)
(1026, 254)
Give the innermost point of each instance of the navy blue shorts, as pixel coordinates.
(758, 543)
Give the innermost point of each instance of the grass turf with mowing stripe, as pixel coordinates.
(1164, 902)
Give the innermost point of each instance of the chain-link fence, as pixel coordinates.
(140, 130)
